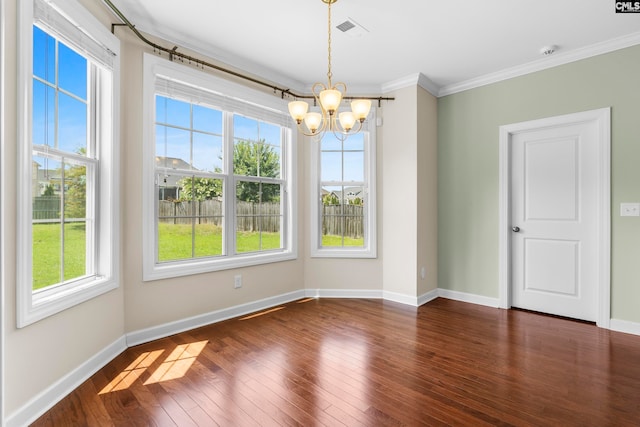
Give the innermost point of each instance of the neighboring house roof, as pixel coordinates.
(172, 163)
(350, 193)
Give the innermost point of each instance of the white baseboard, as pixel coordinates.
(344, 293)
(400, 298)
(41, 403)
(471, 298)
(167, 329)
(429, 296)
(625, 326)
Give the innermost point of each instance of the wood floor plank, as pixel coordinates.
(338, 362)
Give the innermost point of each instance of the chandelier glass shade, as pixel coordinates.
(329, 97)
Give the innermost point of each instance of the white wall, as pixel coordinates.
(409, 185)
(427, 196)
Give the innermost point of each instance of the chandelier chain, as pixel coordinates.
(329, 74)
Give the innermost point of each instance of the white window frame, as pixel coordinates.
(370, 235)
(157, 68)
(76, 27)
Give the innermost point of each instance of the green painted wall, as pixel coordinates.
(468, 125)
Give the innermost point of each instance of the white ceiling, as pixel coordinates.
(455, 44)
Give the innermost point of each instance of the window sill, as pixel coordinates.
(185, 268)
(39, 305)
(343, 253)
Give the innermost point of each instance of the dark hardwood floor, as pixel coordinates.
(369, 363)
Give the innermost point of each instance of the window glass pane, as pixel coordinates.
(175, 223)
(46, 229)
(75, 193)
(270, 236)
(354, 228)
(270, 134)
(270, 221)
(43, 122)
(174, 240)
(245, 129)
(207, 119)
(44, 55)
(173, 112)
(190, 223)
(255, 159)
(331, 143)
(169, 186)
(258, 211)
(199, 189)
(72, 71)
(248, 191)
(247, 227)
(72, 124)
(75, 250)
(354, 142)
(173, 147)
(208, 236)
(354, 166)
(343, 217)
(331, 166)
(75, 212)
(207, 152)
(208, 209)
(161, 109)
(47, 249)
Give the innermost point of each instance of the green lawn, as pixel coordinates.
(47, 253)
(332, 241)
(175, 241)
(174, 244)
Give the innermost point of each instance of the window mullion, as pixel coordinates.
(92, 196)
(62, 217)
(229, 194)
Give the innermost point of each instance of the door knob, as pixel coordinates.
(515, 229)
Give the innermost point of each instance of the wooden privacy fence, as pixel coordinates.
(347, 220)
(250, 216)
(46, 207)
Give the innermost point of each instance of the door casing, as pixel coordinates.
(602, 117)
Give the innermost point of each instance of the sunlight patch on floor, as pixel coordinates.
(175, 366)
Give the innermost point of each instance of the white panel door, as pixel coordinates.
(554, 220)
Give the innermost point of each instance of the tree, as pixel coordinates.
(48, 191)
(330, 199)
(199, 189)
(260, 160)
(75, 189)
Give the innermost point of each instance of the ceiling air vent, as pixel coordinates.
(352, 28)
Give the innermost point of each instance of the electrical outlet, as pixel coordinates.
(237, 281)
(629, 209)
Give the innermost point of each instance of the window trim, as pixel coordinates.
(370, 229)
(155, 68)
(34, 306)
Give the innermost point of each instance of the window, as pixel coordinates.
(343, 211)
(218, 179)
(66, 203)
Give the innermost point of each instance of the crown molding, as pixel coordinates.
(417, 79)
(544, 64)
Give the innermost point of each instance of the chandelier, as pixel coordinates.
(329, 97)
